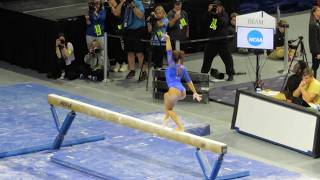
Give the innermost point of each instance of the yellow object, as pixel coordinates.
(213, 24)
(280, 96)
(97, 29)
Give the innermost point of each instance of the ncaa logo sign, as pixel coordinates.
(255, 38)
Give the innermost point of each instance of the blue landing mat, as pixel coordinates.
(155, 158)
(27, 124)
(37, 166)
(227, 94)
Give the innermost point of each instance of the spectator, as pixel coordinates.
(115, 48)
(314, 38)
(95, 21)
(279, 38)
(178, 24)
(216, 22)
(308, 90)
(65, 57)
(94, 67)
(294, 80)
(157, 26)
(134, 30)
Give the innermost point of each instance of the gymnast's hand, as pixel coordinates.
(197, 97)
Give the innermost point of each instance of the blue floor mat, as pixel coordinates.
(227, 94)
(37, 166)
(27, 124)
(155, 158)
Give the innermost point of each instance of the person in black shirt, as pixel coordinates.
(294, 80)
(314, 38)
(216, 21)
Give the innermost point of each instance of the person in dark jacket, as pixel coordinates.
(216, 21)
(294, 80)
(314, 38)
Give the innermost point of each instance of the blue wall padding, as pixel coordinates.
(270, 6)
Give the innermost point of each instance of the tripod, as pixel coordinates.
(303, 54)
(153, 33)
(257, 84)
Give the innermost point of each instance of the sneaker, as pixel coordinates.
(123, 67)
(115, 68)
(62, 75)
(94, 78)
(230, 78)
(81, 76)
(131, 74)
(144, 76)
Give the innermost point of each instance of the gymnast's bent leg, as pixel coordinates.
(170, 99)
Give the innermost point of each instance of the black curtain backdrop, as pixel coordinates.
(29, 41)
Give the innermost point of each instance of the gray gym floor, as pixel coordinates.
(133, 96)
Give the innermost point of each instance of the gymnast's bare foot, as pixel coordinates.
(179, 129)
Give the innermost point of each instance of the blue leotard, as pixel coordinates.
(174, 80)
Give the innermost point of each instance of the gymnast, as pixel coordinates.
(174, 74)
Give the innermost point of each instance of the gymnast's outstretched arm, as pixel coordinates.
(169, 52)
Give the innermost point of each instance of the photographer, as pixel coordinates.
(65, 57)
(314, 38)
(216, 22)
(278, 52)
(178, 24)
(95, 21)
(134, 25)
(116, 49)
(94, 60)
(157, 26)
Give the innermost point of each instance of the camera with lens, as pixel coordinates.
(61, 45)
(214, 9)
(216, 74)
(95, 50)
(92, 8)
(152, 19)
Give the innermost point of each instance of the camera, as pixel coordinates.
(214, 8)
(129, 1)
(92, 8)
(216, 74)
(61, 46)
(152, 19)
(96, 50)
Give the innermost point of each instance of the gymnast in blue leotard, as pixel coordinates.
(175, 72)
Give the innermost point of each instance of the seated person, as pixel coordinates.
(294, 80)
(95, 63)
(278, 52)
(308, 91)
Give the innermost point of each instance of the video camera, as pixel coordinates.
(152, 19)
(128, 2)
(96, 50)
(92, 8)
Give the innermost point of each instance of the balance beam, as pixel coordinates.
(135, 123)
